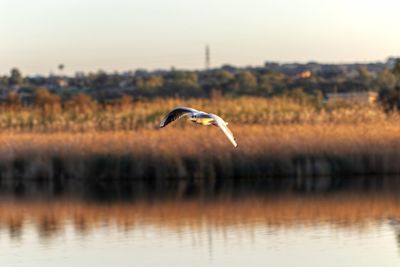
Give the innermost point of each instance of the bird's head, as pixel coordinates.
(193, 117)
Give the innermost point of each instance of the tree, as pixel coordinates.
(390, 99)
(101, 80)
(271, 82)
(265, 84)
(247, 82)
(215, 80)
(15, 77)
(364, 75)
(387, 79)
(396, 69)
(153, 82)
(61, 68)
(389, 95)
(182, 83)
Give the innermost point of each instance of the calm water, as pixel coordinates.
(355, 223)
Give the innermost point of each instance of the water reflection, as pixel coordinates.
(341, 211)
(153, 189)
(205, 218)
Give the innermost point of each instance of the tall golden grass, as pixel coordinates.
(276, 137)
(88, 116)
(204, 152)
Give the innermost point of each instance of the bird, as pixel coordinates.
(199, 117)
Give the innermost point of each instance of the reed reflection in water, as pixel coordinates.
(353, 225)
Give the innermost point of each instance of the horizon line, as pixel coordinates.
(283, 62)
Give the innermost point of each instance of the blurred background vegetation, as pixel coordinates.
(271, 94)
(272, 79)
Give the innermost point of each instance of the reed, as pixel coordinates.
(84, 115)
(277, 137)
(203, 153)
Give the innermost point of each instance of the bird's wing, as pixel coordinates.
(222, 125)
(175, 114)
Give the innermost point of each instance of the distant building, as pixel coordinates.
(61, 82)
(306, 74)
(352, 97)
(55, 82)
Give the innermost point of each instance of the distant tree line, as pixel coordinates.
(272, 79)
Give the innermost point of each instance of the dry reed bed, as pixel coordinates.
(341, 210)
(147, 114)
(204, 152)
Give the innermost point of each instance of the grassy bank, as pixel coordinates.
(302, 151)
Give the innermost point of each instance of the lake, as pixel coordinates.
(276, 222)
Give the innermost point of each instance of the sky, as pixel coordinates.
(119, 35)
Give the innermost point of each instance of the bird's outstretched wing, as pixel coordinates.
(175, 114)
(222, 125)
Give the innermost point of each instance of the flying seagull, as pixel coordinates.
(199, 117)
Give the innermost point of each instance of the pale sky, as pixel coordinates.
(88, 35)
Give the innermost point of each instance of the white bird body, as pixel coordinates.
(199, 117)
